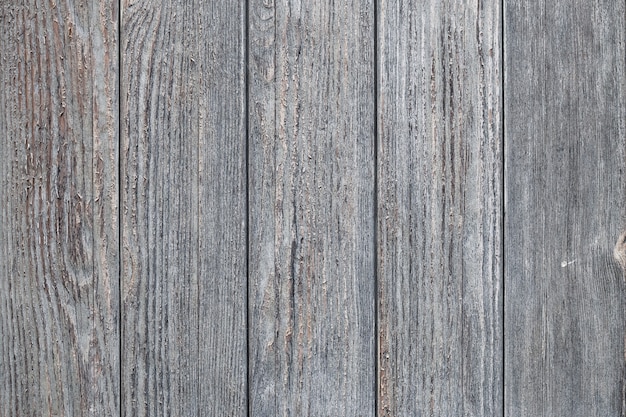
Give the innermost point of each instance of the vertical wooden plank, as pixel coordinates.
(184, 208)
(311, 185)
(59, 294)
(439, 208)
(565, 115)
(223, 209)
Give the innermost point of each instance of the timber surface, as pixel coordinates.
(184, 209)
(287, 208)
(565, 142)
(311, 110)
(59, 234)
(440, 209)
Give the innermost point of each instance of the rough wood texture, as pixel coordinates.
(58, 221)
(439, 209)
(348, 183)
(311, 109)
(565, 298)
(184, 208)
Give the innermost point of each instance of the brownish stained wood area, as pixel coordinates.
(59, 278)
(324, 208)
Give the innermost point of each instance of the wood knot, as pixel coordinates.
(619, 252)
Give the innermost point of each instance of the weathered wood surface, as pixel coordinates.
(184, 208)
(310, 208)
(311, 185)
(439, 208)
(565, 297)
(59, 300)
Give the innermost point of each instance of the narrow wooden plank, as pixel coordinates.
(565, 298)
(184, 208)
(223, 209)
(311, 185)
(439, 208)
(59, 294)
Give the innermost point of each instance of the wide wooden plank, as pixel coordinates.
(565, 298)
(439, 208)
(311, 186)
(184, 208)
(59, 294)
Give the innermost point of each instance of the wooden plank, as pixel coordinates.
(59, 294)
(311, 185)
(565, 298)
(184, 208)
(439, 208)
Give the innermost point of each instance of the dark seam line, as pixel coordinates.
(247, 185)
(376, 137)
(503, 201)
(119, 205)
(196, 263)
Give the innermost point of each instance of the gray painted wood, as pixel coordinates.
(565, 298)
(311, 185)
(184, 209)
(59, 302)
(439, 208)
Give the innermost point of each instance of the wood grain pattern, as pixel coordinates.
(59, 301)
(184, 214)
(565, 115)
(311, 185)
(326, 208)
(439, 209)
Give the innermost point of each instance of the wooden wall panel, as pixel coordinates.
(184, 208)
(59, 301)
(565, 298)
(311, 185)
(368, 207)
(439, 208)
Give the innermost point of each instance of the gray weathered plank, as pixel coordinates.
(565, 298)
(311, 185)
(439, 208)
(184, 208)
(59, 344)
